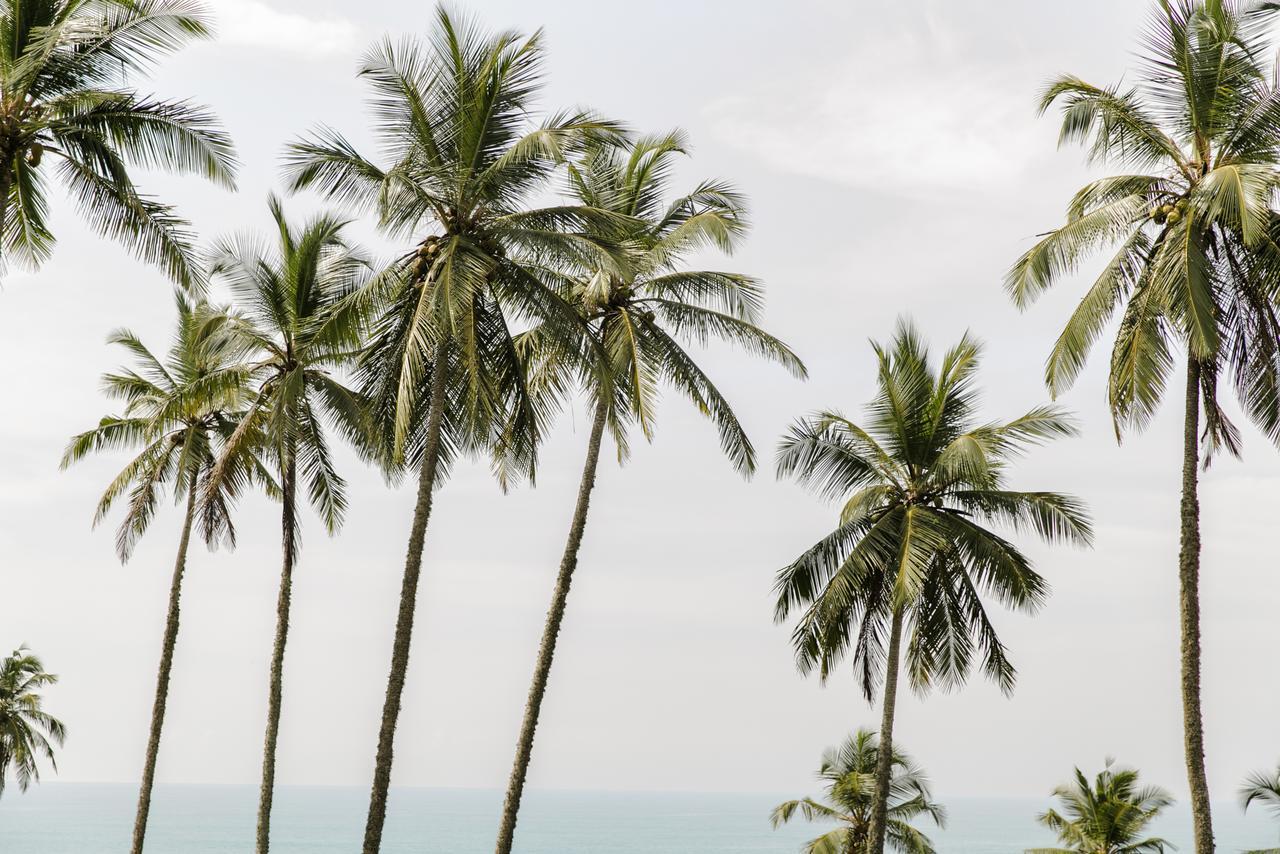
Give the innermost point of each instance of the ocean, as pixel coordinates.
(67, 818)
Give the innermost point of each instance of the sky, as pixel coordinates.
(896, 166)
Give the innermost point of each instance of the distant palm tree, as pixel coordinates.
(912, 553)
(1264, 789)
(1109, 817)
(177, 412)
(441, 370)
(635, 319)
(849, 772)
(1197, 142)
(298, 325)
(26, 730)
(64, 66)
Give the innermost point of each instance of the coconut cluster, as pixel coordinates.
(1169, 213)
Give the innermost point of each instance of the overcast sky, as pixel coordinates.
(895, 165)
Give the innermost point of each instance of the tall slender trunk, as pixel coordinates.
(550, 633)
(408, 600)
(289, 547)
(884, 758)
(1189, 610)
(162, 674)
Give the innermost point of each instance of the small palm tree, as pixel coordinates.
(635, 318)
(1197, 146)
(292, 300)
(1262, 788)
(914, 552)
(849, 772)
(64, 97)
(26, 729)
(441, 370)
(1109, 817)
(177, 413)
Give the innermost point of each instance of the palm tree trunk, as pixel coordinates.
(1189, 610)
(408, 600)
(884, 758)
(289, 545)
(162, 675)
(550, 633)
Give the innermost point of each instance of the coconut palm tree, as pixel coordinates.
(65, 100)
(177, 413)
(26, 729)
(1109, 817)
(636, 318)
(1196, 145)
(914, 552)
(296, 319)
(1262, 788)
(849, 773)
(441, 370)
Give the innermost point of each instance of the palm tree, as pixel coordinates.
(913, 552)
(1109, 817)
(635, 317)
(1262, 788)
(441, 370)
(64, 94)
(293, 320)
(177, 413)
(26, 729)
(1198, 146)
(849, 772)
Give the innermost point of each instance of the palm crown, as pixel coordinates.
(27, 732)
(1111, 816)
(63, 65)
(921, 481)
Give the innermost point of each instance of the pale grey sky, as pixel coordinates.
(896, 165)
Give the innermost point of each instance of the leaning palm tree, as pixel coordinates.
(64, 67)
(636, 318)
(914, 552)
(849, 774)
(177, 412)
(1197, 268)
(27, 731)
(297, 322)
(441, 370)
(1111, 816)
(1262, 788)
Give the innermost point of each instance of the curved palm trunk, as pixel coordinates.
(550, 633)
(884, 758)
(408, 600)
(1189, 610)
(289, 546)
(162, 675)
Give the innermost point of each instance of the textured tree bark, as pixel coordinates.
(550, 633)
(408, 599)
(162, 675)
(884, 759)
(289, 547)
(1189, 610)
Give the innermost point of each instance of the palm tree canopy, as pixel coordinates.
(64, 96)
(1262, 788)
(1196, 143)
(27, 732)
(1109, 816)
(639, 312)
(848, 776)
(922, 480)
(465, 164)
(177, 413)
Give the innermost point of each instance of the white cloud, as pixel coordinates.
(259, 24)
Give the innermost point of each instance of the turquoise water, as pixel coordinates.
(96, 819)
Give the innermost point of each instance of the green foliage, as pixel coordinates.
(848, 773)
(1110, 816)
(27, 732)
(1262, 789)
(922, 482)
